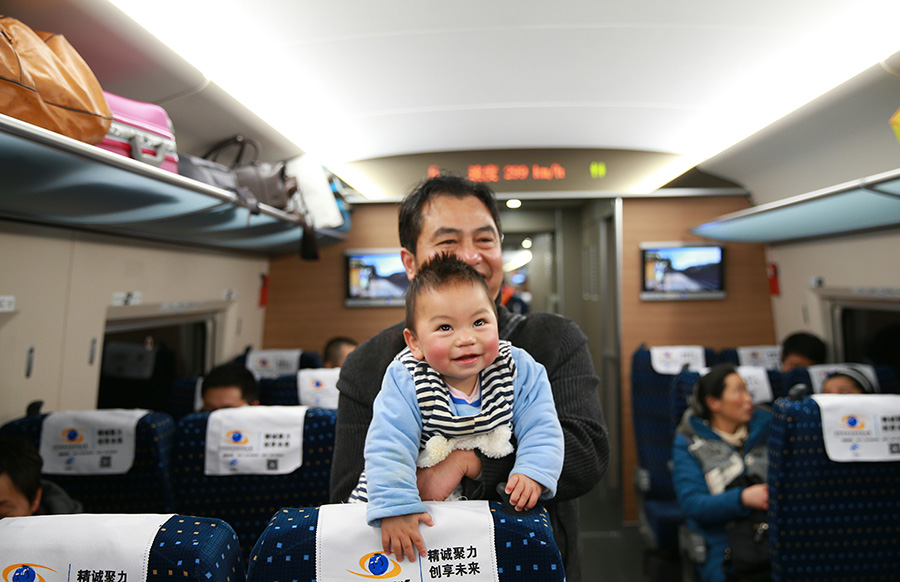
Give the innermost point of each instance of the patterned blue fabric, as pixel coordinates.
(247, 502)
(654, 431)
(146, 488)
(682, 389)
(280, 391)
(181, 400)
(286, 552)
(828, 521)
(728, 355)
(195, 549)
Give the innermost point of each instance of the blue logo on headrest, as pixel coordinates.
(853, 421)
(378, 566)
(24, 573)
(72, 435)
(237, 437)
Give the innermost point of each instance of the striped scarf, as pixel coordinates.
(434, 397)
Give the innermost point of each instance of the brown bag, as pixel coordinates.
(45, 82)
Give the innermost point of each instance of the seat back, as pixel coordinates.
(247, 502)
(184, 397)
(280, 391)
(525, 548)
(682, 390)
(828, 520)
(145, 488)
(181, 547)
(651, 401)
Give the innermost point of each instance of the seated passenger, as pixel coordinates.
(336, 351)
(229, 386)
(22, 491)
(801, 350)
(720, 461)
(847, 381)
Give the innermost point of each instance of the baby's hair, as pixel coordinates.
(440, 271)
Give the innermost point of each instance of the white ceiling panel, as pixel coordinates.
(348, 79)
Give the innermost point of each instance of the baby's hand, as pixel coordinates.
(523, 491)
(401, 533)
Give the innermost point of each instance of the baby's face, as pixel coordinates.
(456, 333)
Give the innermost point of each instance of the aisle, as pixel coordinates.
(615, 553)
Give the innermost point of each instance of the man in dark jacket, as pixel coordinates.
(453, 215)
(22, 491)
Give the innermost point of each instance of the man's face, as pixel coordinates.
(223, 397)
(792, 361)
(463, 227)
(344, 351)
(13, 502)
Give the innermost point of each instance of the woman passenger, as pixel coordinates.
(720, 461)
(847, 381)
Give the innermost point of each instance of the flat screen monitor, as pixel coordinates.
(675, 271)
(375, 278)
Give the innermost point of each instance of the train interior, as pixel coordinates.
(611, 132)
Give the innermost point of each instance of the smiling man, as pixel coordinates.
(448, 214)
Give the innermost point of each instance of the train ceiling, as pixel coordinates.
(348, 80)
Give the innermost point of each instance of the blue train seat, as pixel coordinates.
(828, 520)
(247, 502)
(145, 488)
(183, 398)
(280, 391)
(181, 547)
(525, 548)
(651, 400)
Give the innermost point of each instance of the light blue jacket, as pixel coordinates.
(392, 442)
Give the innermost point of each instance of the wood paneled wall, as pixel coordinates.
(306, 301)
(743, 318)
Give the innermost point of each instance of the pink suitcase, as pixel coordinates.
(141, 131)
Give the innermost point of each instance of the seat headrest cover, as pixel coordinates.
(317, 387)
(255, 440)
(78, 543)
(818, 374)
(768, 357)
(860, 427)
(671, 359)
(460, 543)
(273, 363)
(89, 442)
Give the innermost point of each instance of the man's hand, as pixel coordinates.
(401, 533)
(523, 491)
(436, 483)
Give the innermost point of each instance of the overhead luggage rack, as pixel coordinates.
(52, 179)
(871, 203)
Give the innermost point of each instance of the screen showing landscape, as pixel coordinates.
(375, 278)
(676, 271)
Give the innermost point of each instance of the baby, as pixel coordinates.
(455, 386)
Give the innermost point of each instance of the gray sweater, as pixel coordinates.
(555, 342)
